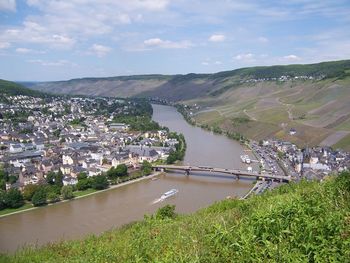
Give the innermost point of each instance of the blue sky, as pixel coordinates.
(44, 40)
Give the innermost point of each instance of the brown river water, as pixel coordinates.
(110, 209)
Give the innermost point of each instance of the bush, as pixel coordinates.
(40, 197)
(146, 168)
(167, 211)
(99, 182)
(83, 184)
(29, 191)
(67, 192)
(2, 200)
(13, 198)
(53, 197)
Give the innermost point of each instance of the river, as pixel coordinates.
(106, 210)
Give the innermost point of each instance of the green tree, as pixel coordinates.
(3, 175)
(40, 197)
(67, 192)
(50, 178)
(82, 175)
(167, 211)
(2, 184)
(13, 198)
(29, 191)
(122, 170)
(53, 197)
(99, 182)
(146, 168)
(2, 200)
(83, 184)
(53, 178)
(12, 179)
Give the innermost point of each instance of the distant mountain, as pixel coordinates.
(190, 86)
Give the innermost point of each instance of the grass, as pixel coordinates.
(84, 192)
(304, 222)
(14, 210)
(343, 143)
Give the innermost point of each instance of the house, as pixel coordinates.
(16, 148)
(69, 180)
(292, 131)
(143, 153)
(118, 127)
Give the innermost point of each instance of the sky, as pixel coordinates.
(46, 40)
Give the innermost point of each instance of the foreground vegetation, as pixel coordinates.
(304, 222)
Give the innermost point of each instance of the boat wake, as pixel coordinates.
(166, 195)
(158, 200)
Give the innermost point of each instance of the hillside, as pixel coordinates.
(304, 222)
(181, 87)
(12, 88)
(259, 102)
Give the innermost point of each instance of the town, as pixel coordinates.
(283, 157)
(65, 140)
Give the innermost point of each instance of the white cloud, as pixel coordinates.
(8, 5)
(58, 63)
(209, 62)
(100, 50)
(157, 42)
(4, 45)
(291, 58)
(245, 57)
(23, 50)
(217, 38)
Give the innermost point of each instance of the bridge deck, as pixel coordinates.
(189, 168)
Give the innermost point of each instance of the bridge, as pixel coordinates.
(235, 173)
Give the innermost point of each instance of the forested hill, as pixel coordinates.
(190, 86)
(12, 88)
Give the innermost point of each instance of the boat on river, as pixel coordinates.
(245, 159)
(168, 194)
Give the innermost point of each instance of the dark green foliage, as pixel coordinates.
(138, 123)
(146, 168)
(328, 69)
(119, 171)
(29, 191)
(12, 179)
(40, 197)
(180, 148)
(82, 175)
(2, 200)
(53, 178)
(166, 212)
(67, 192)
(13, 198)
(99, 182)
(53, 197)
(2, 184)
(83, 184)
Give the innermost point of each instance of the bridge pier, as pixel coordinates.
(187, 172)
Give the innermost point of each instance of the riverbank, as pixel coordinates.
(89, 193)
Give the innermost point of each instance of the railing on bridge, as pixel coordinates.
(234, 172)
